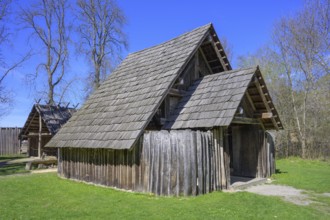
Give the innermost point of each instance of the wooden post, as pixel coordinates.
(39, 141)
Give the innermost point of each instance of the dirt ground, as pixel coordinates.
(288, 193)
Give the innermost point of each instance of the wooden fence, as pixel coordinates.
(9, 141)
(164, 163)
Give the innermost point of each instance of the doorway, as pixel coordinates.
(245, 145)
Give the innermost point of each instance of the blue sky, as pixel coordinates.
(247, 25)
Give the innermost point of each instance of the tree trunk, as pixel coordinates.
(303, 148)
(97, 76)
(50, 91)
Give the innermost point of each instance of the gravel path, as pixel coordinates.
(288, 193)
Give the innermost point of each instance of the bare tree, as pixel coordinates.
(303, 45)
(47, 20)
(4, 10)
(5, 98)
(101, 29)
(228, 48)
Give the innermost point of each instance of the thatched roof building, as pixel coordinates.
(162, 100)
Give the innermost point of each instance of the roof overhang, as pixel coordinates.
(262, 103)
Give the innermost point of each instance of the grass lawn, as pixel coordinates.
(311, 175)
(45, 196)
(15, 168)
(11, 157)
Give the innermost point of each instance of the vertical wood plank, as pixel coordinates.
(200, 163)
(193, 163)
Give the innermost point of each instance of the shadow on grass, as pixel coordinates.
(278, 171)
(11, 157)
(9, 169)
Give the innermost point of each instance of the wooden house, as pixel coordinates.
(173, 119)
(43, 122)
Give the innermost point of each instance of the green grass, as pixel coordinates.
(311, 175)
(14, 168)
(17, 168)
(45, 196)
(11, 157)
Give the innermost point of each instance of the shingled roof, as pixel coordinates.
(117, 113)
(213, 100)
(53, 118)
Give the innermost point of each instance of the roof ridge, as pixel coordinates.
(174, 38)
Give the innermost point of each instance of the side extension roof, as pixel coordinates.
(213, 100)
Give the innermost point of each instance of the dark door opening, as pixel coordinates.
(244, 146)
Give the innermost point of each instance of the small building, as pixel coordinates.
(43, 122)
(173, 119)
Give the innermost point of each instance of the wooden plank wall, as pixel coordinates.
(221, 136)
(184, 162)
(263, 159)
(271, 166)
(9, 142)
(115, 168)
(245, 140)
(266, 155)
(253, 154)
(164, 163)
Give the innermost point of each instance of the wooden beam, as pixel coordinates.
(39, 140)
(250, 101)
(219, 56)
(37, 134)
(259, 103)
(205, 60)
(175, 92)
(243, 120)
(196, 67)
(263, 97)
(31, 121)
(263, 115)
(215, 60)
(266, 115)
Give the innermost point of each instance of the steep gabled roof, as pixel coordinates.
(211, 101)
(118, 112)
(53, 118)
(214, 99)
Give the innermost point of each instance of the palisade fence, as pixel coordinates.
(9, 141)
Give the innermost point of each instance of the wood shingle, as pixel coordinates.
(53, 118)
(125, 103)
(211, 101)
